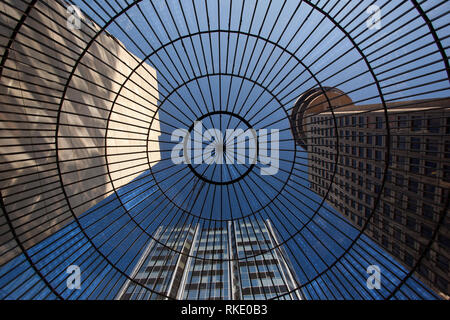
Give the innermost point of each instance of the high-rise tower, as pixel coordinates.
(233, 262)
(349, 163)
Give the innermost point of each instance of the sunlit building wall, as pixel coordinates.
(102, 120)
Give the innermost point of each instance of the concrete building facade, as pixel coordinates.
(76, 112)
(348, 159)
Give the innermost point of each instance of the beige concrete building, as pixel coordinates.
(414, 198)
(76, 111)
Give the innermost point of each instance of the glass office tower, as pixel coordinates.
(232, 262)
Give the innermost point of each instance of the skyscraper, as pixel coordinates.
(85, 164)
(240, 260)
(41, 228)
(90, 162)
(347, 151)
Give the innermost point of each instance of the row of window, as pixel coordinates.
(432, 123)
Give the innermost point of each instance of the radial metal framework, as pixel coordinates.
(88, 113)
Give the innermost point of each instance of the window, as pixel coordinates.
(384, 241)
(447, 149)
(367, 212)
(368, 199)
(445, 193)
(426, 231)
(411, 206)
(423, 270)
(375, 235)
(442, 262)
(429, 191)
(401, 143)
(409, 260)
(377, 187)
(399, 180)
(379, 122)
(446, 173)
(369, 139)
(415, 144)
(346, 210)
(402, 121)
(369, 153)
(432, 147)
(410, 242)
(387, 210)
(428, 212)
(378, 155)
(369, 184)
(361, 137)
(376, 219)
(411, 223)
(362, 122)
(369, 169)
(416, 123)
(397, 234)
(397, 216)
(413, 185)
(434, 125)
(389, 176)
(447, 130)
(386, 225)
(378, 172)
(360, 221)
(430, 168)
(441, 283)
(414, 164)
(379, 140)
(395, 249)
(360, 195)
(444, 241)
